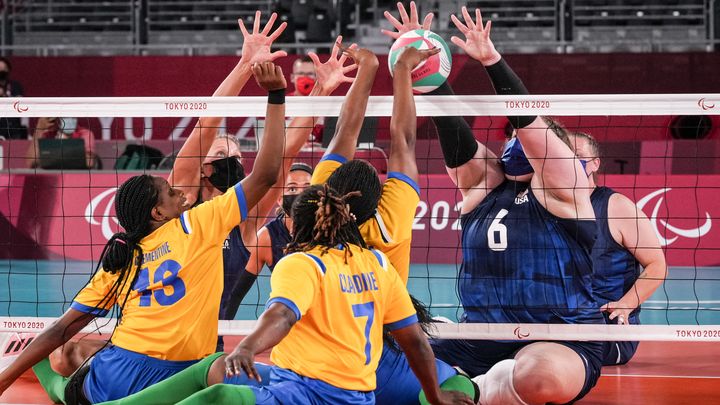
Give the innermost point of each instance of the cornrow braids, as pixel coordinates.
(321, 217)
(134, 202)
(594, 145)
(358, 175)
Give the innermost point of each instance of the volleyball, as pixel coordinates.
(431, 73)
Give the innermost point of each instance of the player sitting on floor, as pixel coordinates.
(628, 263)
(330, 298)
(527, 233)
(163, 330)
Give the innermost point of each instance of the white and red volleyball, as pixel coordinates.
(429, 74)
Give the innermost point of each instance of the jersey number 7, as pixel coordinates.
(361, 310)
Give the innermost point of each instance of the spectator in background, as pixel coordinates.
(303, 78)
(63, 128)
(10, 128)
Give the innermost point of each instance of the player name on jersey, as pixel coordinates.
(358, 283)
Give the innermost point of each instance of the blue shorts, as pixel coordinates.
(396, 382)
(287, 387)
(116, 373)
(242, 378)
(476, 357)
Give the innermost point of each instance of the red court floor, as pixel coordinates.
(660, 374)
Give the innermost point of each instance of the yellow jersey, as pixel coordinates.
(171, 310)
(341, 309)
(390, 230)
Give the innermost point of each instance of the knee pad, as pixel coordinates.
(496, 386)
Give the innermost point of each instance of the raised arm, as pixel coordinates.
(45, 343)
(403, 123)
(558, 173)
(469, 163)
(269, 158)
(353, 109)
(632, 229)
(329, 76)
(185, 174)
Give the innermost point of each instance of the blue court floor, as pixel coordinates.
(45, 288)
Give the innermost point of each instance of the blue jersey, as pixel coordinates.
(523, 264)
(279, 238)
(616, 269)
(235, 258)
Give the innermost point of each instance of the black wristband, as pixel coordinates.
(506, 82)
(276, 96)
(243, 284)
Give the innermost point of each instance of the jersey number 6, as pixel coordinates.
(497, 233)
(171, 280)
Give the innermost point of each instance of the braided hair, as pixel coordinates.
(134, 202)
(321, 217)
(358, 175)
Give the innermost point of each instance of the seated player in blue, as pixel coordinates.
(628, 262)
(274, 236)
(528, 228)
(164, 272)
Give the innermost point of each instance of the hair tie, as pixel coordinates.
(120, 241)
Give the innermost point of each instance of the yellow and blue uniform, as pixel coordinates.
(169, 315)
(390, 230)
(331, 353)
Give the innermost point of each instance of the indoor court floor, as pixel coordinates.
(660, 374)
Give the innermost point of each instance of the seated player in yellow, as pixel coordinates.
(164, 272)
(329, 300)
(384, 212)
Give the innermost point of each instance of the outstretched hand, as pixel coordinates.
(411, 57)
(332, 73)
(409, 23)
(477, 41)
(361, 56)
(269, 76)
(256, 45)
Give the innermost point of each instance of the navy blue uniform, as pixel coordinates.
(279, 238)
(522, 264)
(235, 259)
(615, 272)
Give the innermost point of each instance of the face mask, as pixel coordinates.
(69, 125)
(513, 159)
(584, 165)
(4, 75)
(304, 85)
(287, 203)
(226, 173)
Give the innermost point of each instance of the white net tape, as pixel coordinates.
(378, 106)
(486, 331)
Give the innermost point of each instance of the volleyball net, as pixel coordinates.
(659, 150)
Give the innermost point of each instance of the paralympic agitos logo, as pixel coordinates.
(102, 202)
(694, 233)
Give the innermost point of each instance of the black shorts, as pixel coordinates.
(618, 353)
(476, 357)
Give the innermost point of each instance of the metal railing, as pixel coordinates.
(209, 27)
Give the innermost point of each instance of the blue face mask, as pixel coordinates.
(514, 161)
(584, 165)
